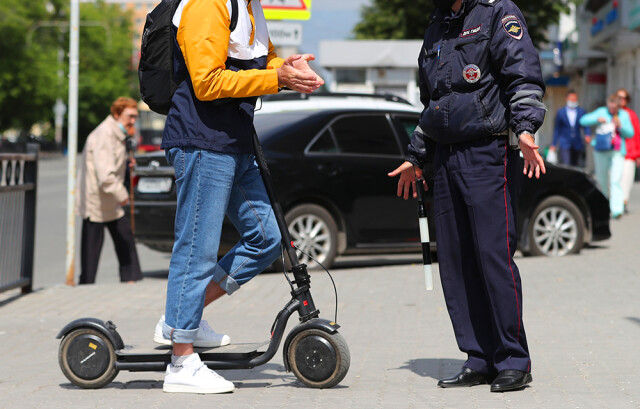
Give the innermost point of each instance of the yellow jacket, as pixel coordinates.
(206, 43)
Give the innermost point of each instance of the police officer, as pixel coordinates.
(479, 77)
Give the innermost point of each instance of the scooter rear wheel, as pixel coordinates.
(87, 358)
(319, 359)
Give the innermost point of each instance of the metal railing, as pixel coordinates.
(18, 182)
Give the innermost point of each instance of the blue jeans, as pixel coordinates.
(210, 185)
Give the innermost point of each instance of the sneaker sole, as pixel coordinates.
(174, 388)
(163, 341)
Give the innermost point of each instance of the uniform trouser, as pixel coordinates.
(92, 240)
(476, 188)
(609, 166)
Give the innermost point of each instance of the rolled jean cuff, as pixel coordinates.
(179, 336)
(228, 284)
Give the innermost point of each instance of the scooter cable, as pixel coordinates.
(284, 268)
(335, 290)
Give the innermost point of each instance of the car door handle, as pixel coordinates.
(331, 169)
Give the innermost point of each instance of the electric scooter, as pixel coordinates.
(92, 352)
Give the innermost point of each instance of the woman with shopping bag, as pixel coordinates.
(612, 127)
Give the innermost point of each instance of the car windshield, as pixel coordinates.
(271, 123)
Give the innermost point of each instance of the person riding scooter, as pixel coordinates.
(209, 145)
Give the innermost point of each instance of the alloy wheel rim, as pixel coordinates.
(555, 231)
(313, 238)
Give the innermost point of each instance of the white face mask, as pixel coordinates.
(572, 104)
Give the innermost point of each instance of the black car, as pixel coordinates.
(329, 157)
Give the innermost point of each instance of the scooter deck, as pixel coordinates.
(132, 358)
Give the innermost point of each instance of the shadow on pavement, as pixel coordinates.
(376, 260)
(9, 297)
(635, 320)
(433, 367)
(264, 376)
(255, 378)
(160, 274)
(133, 385)
(593, 246)
(14, 295)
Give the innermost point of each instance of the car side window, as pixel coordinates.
(407, 126)
(365, 134)
(324, 144)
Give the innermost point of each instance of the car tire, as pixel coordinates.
(557, 228)
(315, 232)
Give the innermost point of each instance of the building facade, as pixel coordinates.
(605, 53)
(373, 66)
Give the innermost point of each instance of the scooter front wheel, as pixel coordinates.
(87, 358)
(319, 359)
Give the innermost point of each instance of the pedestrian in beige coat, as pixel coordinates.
(101, 193)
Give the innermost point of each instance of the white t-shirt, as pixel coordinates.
(572, 114)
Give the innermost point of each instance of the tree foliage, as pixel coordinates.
(32, 32)
(408, 19)
(28, 70)
(105, 71)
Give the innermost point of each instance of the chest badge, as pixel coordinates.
(512, 26)
(471, 31)
(471, 73)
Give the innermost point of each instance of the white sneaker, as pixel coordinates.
(194, 377)
(206, 337)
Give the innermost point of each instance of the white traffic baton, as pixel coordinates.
(424, 236)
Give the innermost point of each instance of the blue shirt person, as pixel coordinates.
(568, 134)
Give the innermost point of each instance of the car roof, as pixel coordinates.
(332, 102)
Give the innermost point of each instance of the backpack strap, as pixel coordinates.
(234, 15)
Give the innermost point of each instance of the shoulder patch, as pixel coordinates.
(512, 26)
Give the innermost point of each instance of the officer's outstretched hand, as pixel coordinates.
(296, 74)
(408, 174)
(533, 162)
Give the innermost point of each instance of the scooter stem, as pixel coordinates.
(277, 209)
(307, 308)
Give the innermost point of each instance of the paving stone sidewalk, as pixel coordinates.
(581, 313)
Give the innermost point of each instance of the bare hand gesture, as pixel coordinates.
(302, 64)
(408, 174)
(533, 163)
(296, 74)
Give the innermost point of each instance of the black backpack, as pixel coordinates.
(155, 70)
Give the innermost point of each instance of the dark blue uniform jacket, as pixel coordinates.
(479, 75)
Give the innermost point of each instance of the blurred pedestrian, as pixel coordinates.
(613, 126)
(567, 132)
(480, 78)
(101, 193)
(632, 158)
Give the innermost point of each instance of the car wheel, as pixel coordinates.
(315, 233)
(557, 228)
